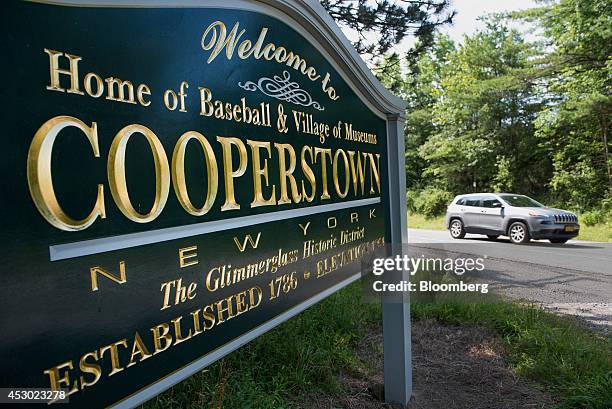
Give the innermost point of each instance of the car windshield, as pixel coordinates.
(521, 201)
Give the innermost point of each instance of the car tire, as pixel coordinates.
(492, 236)
(519, 233)
(558, 241)
(457, 231)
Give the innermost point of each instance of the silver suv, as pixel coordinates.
(505, 214)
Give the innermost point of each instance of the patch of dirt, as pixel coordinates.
(465, 367)
(454, 367)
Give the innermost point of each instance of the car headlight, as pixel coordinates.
(539, 215)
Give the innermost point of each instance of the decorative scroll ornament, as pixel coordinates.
(282, 89)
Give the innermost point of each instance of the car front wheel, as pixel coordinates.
(518, 233)
(456, 229)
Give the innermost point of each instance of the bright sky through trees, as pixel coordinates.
(468, 11)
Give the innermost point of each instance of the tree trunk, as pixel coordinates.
(604, 136)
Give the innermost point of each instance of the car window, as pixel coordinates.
(472, 201)
(521, 201)
(491, 202)
(461, 201)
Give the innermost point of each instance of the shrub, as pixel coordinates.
(411, 195)
(593, 217)
(430, 202)
(597, 216)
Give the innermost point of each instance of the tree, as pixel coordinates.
(422, 88)
(576, 65)
(483, 118)
(381, 24)
(496, 112)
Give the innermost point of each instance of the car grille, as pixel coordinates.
(565, 218)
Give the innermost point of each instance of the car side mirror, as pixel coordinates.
(499, 205)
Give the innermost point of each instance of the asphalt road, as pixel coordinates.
(573, 278)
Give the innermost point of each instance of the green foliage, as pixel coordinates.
(576, 125)
(481, 134)
(597, 216)
(429, 202)
(381, 24)
(304, 354)
(418, 221)
(579, 172)
(499, 113)
(421, 90)
(504, 177)
(571, 361)
(575, 67)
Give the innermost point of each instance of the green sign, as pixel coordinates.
(176, 181)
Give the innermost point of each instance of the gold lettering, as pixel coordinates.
(220, 309)
(177, 331)
(208, 316)
(248, 238)
(161, 332)
(245, 49)
(255, 293)
(99, 85)
(307, 170)
(258, 172)
(58, 381)
(90, 368)
(117, 179)
(341, 193)
(121, 88)
(374, 166)
(241, 305)
(304, 228)
(55, 71)
(229, 172)
(166, 287)
(143, 89)
(287, 173)
(212, 284)
(195, 315)
(94, 271)
(358, 174)
(138, 348)
(323, 153)
(178, 173)
(206, 107)
(220, 40)
(114, 355)
(332, 222)
(40, 180)
(187, 253)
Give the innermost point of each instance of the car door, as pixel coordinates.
(471, 211)
(491, 213)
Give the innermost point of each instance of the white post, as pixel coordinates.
(396, 307)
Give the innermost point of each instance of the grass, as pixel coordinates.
(306, 354)
(301, 355)
(418, 221)
(599, 232)
(572, 362)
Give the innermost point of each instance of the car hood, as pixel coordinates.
(552, 210)
(548, 211)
